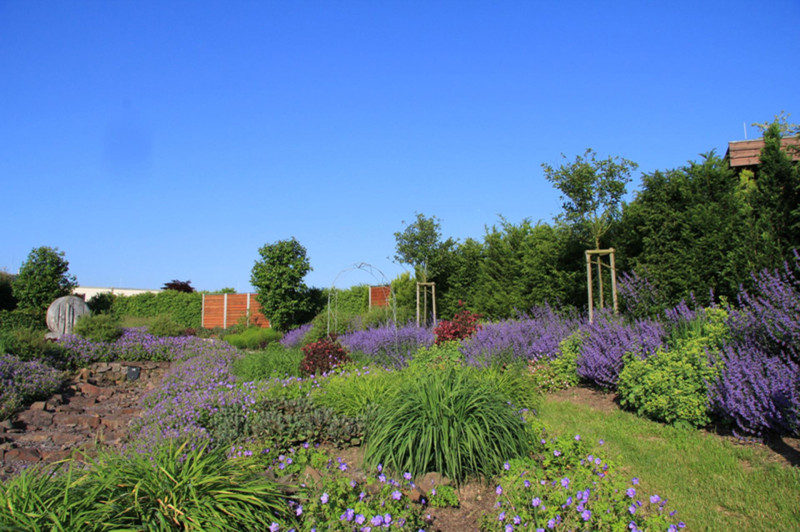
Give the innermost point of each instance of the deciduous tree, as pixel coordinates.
(42, 278)
(278, 279)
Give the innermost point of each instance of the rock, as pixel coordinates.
(431, 480)
(37, 405)
(64, 312)
(23, 454)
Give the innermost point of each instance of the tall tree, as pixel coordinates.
(591, 190)
(278, 278)
(776, 197)
(42, 278)
(686, 231)
(420, 246)
(179, 286)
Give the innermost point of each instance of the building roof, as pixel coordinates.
(747, 152)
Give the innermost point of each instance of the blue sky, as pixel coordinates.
(155, 140)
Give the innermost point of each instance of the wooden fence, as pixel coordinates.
(379, 296)
(225, 310)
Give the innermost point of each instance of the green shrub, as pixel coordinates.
(438, 356)
(560, 372)
(446, 421)
(28, 344)
(356, 393)
(101, 303)
(671, 385)
(183, 308)
(177, 487)
(274, 361)
(98, 327)
(291, 422)
(165, 326)
(514, 384)
(253, 338)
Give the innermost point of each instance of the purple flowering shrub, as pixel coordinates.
(191, 392)
(759, 386)
(531, 337)
(770, 315)
(638, 297)
(135, 344)
(757, 391)
(294, 338)
(566, 485)
(387, 344)
(608, 340)
(22, 382)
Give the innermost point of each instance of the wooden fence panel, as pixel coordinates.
(225, 310)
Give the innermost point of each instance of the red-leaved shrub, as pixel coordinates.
(463, 325)
(322, 356)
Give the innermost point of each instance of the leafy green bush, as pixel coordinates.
(290, 422)
(101, 303)
(253, 338)
(28, 344)
(98, 327)
(438, 356)
(671, 385)
(274, 361)
(446, 421)
(183, 487)
(561, 372)
(165, 326)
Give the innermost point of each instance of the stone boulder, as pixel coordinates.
(63, 313)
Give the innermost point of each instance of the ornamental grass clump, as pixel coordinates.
(445, 421)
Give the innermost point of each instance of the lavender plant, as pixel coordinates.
(387, 344)
(759, 389)
(24, 382)
(135, 344)
(530, 337)
(294, 338)
(606, 342)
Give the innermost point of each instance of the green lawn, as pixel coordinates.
(714, 484)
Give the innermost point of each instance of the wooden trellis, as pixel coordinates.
(425, 286)
(594, 257)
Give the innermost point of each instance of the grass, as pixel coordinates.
(714, 484)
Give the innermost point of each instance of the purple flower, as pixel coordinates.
(396, 495)
(536, 502)
(499, 490)
(324, 498)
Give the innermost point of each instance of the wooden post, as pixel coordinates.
(600, 280)
(614, 281)
(433, 290)
(417, 304)
(589, 285)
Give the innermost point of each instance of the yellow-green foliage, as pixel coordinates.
(671, 385)
(441, 356)
(354, 392)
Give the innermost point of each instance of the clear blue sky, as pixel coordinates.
(160, 140)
